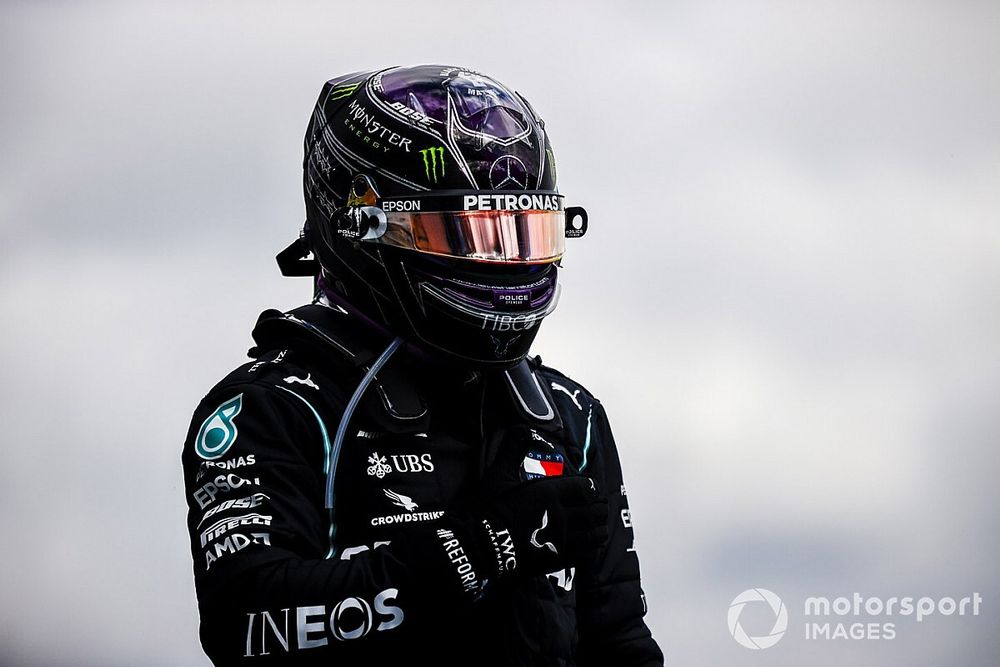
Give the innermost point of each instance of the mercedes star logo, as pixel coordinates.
(508, 173)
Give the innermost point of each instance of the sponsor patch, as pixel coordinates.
(400, 500)
(295, 629)
(401, 463)
(538, 464)
(412, 517)
(218, 433)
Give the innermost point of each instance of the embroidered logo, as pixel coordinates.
(534, 535)
(307, 382)
(400, 500)
(538, 464)
(218, 433)
(379, 466)
(558, 387)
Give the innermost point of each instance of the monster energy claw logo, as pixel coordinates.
(340, 92)
(433, 158)
(218, 433)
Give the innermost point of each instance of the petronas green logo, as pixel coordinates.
(218, 433)
(433, 163)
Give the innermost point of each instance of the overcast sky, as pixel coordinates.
(788, 299)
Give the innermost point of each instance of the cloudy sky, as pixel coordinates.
(788, 299)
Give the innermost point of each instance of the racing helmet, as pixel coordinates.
(432, 209)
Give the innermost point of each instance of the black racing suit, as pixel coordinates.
(281, 579)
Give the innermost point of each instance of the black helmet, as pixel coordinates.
(432, 208)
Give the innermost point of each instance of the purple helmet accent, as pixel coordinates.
(407, 133)
(425, 128)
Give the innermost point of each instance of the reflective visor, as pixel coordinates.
(534, 236)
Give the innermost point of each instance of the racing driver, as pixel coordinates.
(391, 479)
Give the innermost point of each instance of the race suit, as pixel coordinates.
(283, 579)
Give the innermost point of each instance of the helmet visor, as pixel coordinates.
(521, 237)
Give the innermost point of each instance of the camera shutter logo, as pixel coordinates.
(780, 618)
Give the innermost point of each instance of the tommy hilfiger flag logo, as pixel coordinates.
(537, 464)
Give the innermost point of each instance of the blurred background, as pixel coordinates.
(788, 299)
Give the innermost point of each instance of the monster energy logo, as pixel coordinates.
(340, 92)
(433, 158)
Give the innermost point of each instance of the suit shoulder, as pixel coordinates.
(578, 409)
(260, 401)
(258, 379)
(558, 383)
(270, 368)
